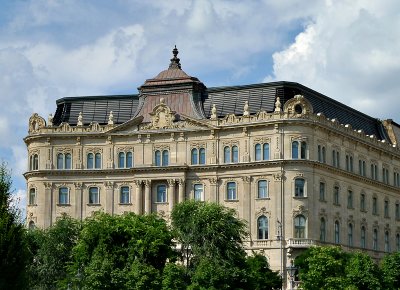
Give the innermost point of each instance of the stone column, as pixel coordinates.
(171, 194)
(246, 198)
(181, 183)
(48, 204)
(109, 197)
(147, 196)
(78, 201)
(213, 189)
(139, 196)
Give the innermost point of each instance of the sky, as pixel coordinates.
(348, 50)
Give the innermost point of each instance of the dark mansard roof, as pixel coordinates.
(187, 95)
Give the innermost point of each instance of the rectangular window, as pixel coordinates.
(161, 193)
(262, 189)
(396, 179)
(299, 187)
(336, 195)
(350, 199)
(322, 191)
(397, 211)
(385, 175)
(231, 191)
(361, 167)
(374, 205)
(386, 209)
(94, 195)
(349, 163)
(362, 202)
(198, 192)
(124, 198)
(63, 195)
(32, 196)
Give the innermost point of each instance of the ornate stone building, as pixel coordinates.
(299, 167)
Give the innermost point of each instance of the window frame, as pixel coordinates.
(32, 196)
(161, 196)
(198, 188)
(65, 195)
(91, 194)
(262, 191)
(262, 228)
(299, 189)
(337, 232)
(322, 230)
(124, 197)
(299, 229)
(231, 191)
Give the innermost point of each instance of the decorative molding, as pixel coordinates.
(161, 147)
(36, 123)
(78, 185)
(230, 143)
(262, 140)
(48, 185)
(246, 179)
(109, 184)
(300, 209)
(213, 181)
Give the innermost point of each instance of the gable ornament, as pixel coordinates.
(162, 116)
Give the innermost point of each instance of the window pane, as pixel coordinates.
(321, 191)
(257, 150)
(68, 161)
(90, 161)
(227, 154)
(202, 156)
(363, 244)
(35, 162)
(98, 161)
(198, 192)
(124, 194)
(266, 151)
(94, 195)
(299, 187)
(235, 154)
(32, 196)
(194, 156)
(63, 195)
(262, 189)
(165, 158)
(129, 159)
(231, 191)
(121, 160)
(157, 158)
(337, 232)
(262, 228)
(299, 227)
(161, 193)
(322, 234)
(60, 161)
(350, 235)
(303, 150)
(295, 150)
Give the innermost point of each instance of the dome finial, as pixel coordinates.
(175, 60)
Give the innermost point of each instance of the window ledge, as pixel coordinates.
(263, 198)
(94, 204)
(322, 200)
(336, 204)
(231, 200)
(63, 204)
(350, 207)
(125, 203)
(300, 197)
(161, 202)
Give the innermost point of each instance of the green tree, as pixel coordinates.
(261, 276)
(362, 272)
(13, 252)
(174, 277)
(121, 252)
(390, 267)
(323, 268)
(52, 252)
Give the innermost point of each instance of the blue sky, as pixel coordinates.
(49, 49)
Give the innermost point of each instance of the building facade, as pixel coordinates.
(299, 167)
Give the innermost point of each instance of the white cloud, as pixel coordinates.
(349, 52)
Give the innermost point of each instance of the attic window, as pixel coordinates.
(298, 109)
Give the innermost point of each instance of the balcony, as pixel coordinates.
(300, 243)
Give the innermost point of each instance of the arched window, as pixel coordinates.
(165, 158)
(121, 160)
(350, 235)
(32, 196)
(198, 192)
(262, 225)
(202, 156)
(63, 195)
(299, 187)
(31, 225)
(227, 154)
(124, 195)
(337, 232)
(363, 243)
(295, 150)
(97, 163)
(322, 230)
(60, 161)
(195, 156)
(387, 242)
(235, 154)
(257, 152)
(231, 191)
(68, 161)
(161, 193)
(266, 151)
(262, 189)
(90, 161)
(129, 159)
(375, 240)
(300, 227)
(157, 158)
(94, 196)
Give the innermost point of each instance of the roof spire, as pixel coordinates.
(175, 60)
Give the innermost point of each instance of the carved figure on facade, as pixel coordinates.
(246, 109)
(110, 118)
(36, 123)
(214, 112)
(50, 120)
(298, 105)
(300, 209)
(80, 119)
(162, 116)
